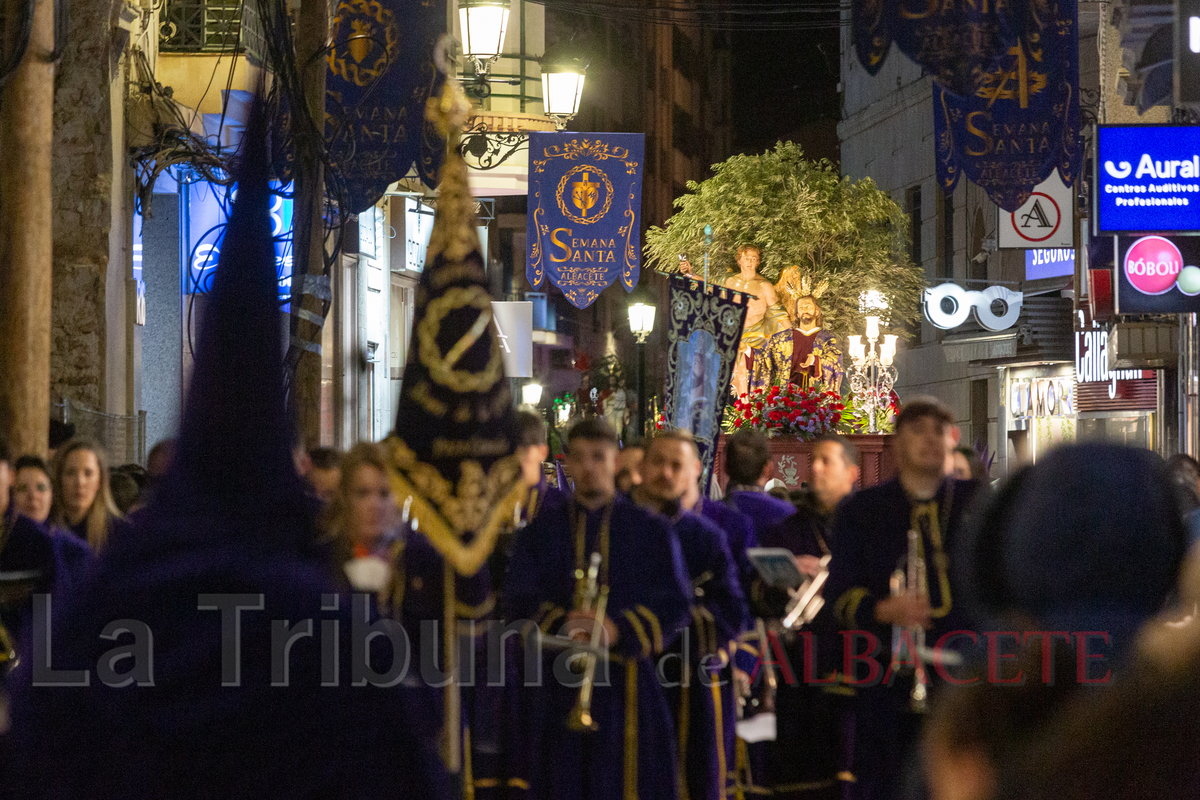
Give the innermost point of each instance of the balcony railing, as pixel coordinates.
(201, 26)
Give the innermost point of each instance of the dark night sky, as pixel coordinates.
(785, 88)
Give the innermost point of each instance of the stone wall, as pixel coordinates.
(82, 180)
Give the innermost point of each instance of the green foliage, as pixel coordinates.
(856, 419)
(801, 212)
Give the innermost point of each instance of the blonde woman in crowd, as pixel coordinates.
(83, 501)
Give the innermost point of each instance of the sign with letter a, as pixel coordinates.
(1043, 221)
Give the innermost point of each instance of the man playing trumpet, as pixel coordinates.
(642, 576)
(702, 698)
(871, 543)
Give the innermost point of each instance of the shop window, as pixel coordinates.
(945, 262)
(916, 220)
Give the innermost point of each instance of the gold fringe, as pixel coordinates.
(466, 559)
(719, 713)
(631, 732)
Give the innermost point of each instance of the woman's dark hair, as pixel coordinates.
(124, 489)
(27, 461)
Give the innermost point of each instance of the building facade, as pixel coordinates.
(1015, 392)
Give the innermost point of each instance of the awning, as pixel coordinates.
(965, 348)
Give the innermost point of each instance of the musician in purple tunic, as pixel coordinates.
(631, 754)
(871, 541)
(704, 703)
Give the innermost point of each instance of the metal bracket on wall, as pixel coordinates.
(485, 149)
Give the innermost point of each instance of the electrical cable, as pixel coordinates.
(767, 16)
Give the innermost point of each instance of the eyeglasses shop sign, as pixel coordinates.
(1147, 178)
(1157, 274)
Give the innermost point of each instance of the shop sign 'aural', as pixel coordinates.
(1147, 178)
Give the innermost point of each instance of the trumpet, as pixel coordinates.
(911, 581)
(595, 599)
(754, 700)
(8, 650)
(807, 600)
(15, 588)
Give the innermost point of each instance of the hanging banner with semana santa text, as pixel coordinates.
(585, 201)
(957, 43)
(1022, 121)
(380, 72)
(703, 333)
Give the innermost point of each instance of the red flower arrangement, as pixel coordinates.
(787, 411)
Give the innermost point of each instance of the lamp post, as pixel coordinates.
(531, 394)
(483, 24)
(562, 87)
(641, 323)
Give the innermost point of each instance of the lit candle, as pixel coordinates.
(887, 351)
(857, 353)
(873, 328)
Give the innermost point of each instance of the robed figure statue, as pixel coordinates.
(808, 355)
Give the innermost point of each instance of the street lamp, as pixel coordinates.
(872, 375)
(531, 394)
(641, 323)
(483, 24)
(562, 87)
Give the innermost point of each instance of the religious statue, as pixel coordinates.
(614, 408)
(807, 355)
(765, 317)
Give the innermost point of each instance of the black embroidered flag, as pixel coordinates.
(452, 454)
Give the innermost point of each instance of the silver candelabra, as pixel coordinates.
(872, 375)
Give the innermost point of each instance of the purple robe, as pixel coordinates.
(705, 716)
(632, 755)
(870, 541)
(739, 532)
(229, 525)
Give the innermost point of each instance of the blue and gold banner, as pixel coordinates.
(705, 327)
(380, 73)
(585, 204)
(1022, 121)
(957, 43)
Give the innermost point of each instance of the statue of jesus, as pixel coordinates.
(765, 317)
(808, 355)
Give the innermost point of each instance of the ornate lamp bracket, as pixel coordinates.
(484, 149)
